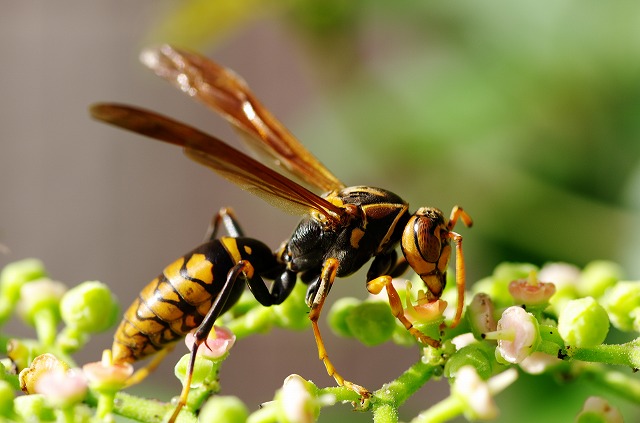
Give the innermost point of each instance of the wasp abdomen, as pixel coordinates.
(172, 304)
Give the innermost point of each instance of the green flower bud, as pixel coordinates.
(337, 317)
(12, 278)
(33, 408)
(480, 315)
(204, 370)
(42, 295)
(6, 399)
(622, 302)
(293, 313)
(597, 276)
(474, 355)
(297, 401)
(371, 322)
(224, 409)
(89, 307)
(16, 274)
(583, 323)
(39, 306)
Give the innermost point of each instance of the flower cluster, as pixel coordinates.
(572, 324)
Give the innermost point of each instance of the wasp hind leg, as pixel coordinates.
(327, 277)
(243, 269)
(227, 217)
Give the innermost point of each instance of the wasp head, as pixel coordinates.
(426, 247)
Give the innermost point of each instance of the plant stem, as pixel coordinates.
(393, 394)
(45, 322)
(385, 413)
(399, 390)
(620, 354)
(443, 411)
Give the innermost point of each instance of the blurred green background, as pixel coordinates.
(527, 114)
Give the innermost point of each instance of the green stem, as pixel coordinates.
(550, 348)
(445, 410)
(392, 395)
(105, 405)
(140, 409)
(45, 322)
(399, 390)
(619, 354)
(385, 413)
(340, 393)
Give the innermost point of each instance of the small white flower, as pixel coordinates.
(538, 362)
(298, 404)
(518, 334)
(463, 340)
(478, 394)
(217, 344)
(62, 388)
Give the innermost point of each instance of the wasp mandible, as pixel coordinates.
(340, 231)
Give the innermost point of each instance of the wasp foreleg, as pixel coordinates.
(375, 287)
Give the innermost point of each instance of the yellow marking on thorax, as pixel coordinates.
(231, 245)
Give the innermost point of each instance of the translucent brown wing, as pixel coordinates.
(232, 164)
(228, 94)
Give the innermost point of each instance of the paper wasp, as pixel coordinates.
(340, 231)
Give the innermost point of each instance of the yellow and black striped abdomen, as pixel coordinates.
(174, 303)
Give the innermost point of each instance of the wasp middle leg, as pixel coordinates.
(327, 277)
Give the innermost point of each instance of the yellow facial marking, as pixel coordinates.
(247, 249)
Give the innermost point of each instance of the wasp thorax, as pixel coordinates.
(426, 247)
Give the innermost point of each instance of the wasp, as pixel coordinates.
(340, 231)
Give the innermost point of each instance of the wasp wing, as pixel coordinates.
(237, 167)
(229, 95)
